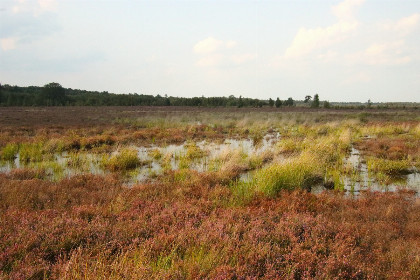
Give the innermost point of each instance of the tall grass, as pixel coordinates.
(9, 151)
(31, 152)
(124, 160)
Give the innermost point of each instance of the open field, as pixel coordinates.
(217, 193)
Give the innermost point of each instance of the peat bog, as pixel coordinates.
(217, 193)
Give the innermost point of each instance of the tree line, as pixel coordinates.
(53, 94)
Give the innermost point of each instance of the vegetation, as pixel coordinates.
(53, 94)
(208, 193)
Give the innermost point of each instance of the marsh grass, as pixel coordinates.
(389, 167)
(156, 154)
(9, 152)
(125, 159)
(31, 152)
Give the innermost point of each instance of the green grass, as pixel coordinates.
(389, 167)
(31, 152)
(9, 151)
(126, 159)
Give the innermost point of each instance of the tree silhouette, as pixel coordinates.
(53, 94)
(315, 103)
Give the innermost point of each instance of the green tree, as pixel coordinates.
(240, 102)
(278, 102)
(327, 105)
(315, 103)
(271, 102)
(369, 104)
(289, 102)
(53, 94)
(307, 99)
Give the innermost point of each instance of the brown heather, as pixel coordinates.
(192, 225)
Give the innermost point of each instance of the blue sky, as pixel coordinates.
(351, 50)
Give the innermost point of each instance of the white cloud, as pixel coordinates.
(211, 45)
(389, 53)
(403, 26)
(345, 10)
(210, 60)
(230, 44)
(47, 5)
(8, 44)
(242, 58)
(213, 52)
(308, 40)
(208, 45)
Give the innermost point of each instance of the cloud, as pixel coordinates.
(214, 53)
(390, 53)
(308, 40)
(210, 60)
(345, 10)
(8, 44)
(25, 24)
(242, 58)
(211, 45)
(47, 5)
(403, 26)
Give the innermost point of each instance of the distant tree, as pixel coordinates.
(1, 93)
(289, 102)
(369, 104)
(271, 102)
(167, 100)
(278, 102)
(240, 102)
(315, 103)
(53, 94)
(307, 99)
(327, 105)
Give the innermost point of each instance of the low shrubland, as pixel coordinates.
(90, 227)
(233, 213)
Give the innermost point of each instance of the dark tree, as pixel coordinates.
(53, 94)
(240, 102)
(369, 104)
(278, 102)
(271, 102)
(289, 102)
(315, 103)
(307, 99)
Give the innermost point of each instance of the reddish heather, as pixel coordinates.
(90, 227)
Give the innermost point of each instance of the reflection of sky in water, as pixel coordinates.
(171, 154)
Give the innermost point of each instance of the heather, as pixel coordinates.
(89, 227)
(220, 195)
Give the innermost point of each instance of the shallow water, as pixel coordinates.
(362, 181)
(66, 165)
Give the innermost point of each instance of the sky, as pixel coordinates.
(351, 50)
